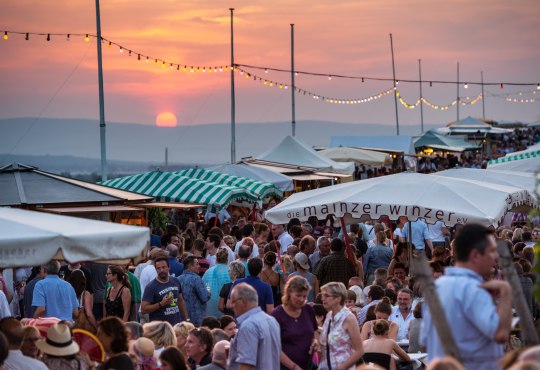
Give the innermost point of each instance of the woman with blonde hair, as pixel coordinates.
(181, 331)
(161, 333)
(341, 346)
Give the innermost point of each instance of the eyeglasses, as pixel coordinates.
(324, 295)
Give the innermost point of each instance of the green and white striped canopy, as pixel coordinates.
(260, 189)
(516, 157)
(171, 187)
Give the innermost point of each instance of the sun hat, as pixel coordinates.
(58, 341)
(302, 260)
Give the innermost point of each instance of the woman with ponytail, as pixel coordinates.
(118, 297)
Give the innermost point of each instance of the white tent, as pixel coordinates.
(29, 238)
(415, 195)
(283, 183)
(294, 152)
(361, 156)
(470, 125)
(531, 164)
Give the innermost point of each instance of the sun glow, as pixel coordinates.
(166, 119)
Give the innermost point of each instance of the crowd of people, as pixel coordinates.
(252, 295)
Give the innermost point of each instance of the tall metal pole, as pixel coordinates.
(421, 96)
(102, 134)
(293, 88)
(395, 84)
(233, 104)
(483, 97)
(457, 98)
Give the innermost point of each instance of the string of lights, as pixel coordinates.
(192, 68)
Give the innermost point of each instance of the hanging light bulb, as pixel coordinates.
(430, 84)
(48, 37)
(147, 60)
(330, 77)
(86, 38)
(538, 87)
(27, 37)
(5, 35)
(362, 79)
(68, 37)
(121, 49)
(502, 86)
(397, 82)
(138, 56)
(110, 43)
(466, 85)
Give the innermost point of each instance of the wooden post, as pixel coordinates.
(529, 334)
(424, 275)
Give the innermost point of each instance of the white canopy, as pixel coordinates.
(531, 165)
(29, 238)
(292, 151)
(282, 182)
(362, 156)
(415, 195)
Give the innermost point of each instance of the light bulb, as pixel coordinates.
(466, 85)
(5, 35)
(86, 38)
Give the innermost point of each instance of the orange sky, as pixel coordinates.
(59, 78)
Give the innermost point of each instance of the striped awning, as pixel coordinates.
(171, 187)
(516, 157)
(260, 189)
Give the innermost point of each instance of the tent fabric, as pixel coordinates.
(282, 182)
(516, 157)
(391, 143)
(293, 151)
(470, 125)
(360, 156)
(415, 195)
(30, 238)
(259, 188)
(531, 164)
(169, 187)
(433, 140)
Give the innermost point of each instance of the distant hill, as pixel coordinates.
(75, 144)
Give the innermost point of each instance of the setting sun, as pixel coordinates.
(166, 119)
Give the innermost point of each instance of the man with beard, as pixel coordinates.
(402, 313)
(162, 297)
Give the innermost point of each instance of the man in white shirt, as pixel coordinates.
(402, 314)
(248, 231)
(13, 330)
(282, 236)
(438, 233)
(4, 306)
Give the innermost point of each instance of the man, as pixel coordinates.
(264, 291)
(13, 330)
(222, 216)
(55, 297)
(213, 242)
(323, 246)
(219, 356)
(194, 290)
(307, 229)
(217, 231)
(162, 298)
(149, 273)
(438, 233)
(478, 324)
(374, 296)
(400, 272)
(199, 246)
(248, 231)
(399, 227)
(28, 295)
(419, 236)
(307, 245)
(257, 344)
(282, 236)
(176, 267)
(95, 283)
(335, 267)
(402, 313)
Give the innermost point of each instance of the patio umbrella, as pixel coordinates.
(29, 238)
(169, 187)
(520, 163)
(434, 198)
(260, 189)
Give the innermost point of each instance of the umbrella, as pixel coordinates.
(523, 164)
(169, 187)
(522, 180)
(415, 195)
(363, 156)
(258, 188)
(29, 238)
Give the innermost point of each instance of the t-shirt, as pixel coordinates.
(264, 291)
(154, 293)
(296, 334)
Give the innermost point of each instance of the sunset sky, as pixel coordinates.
(59, 78)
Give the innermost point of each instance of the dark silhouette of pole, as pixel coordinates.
(292, 83)
(102, 132)
(457, 98)
(483, 97)
(421, 96)
(233, 103)
(395, 84)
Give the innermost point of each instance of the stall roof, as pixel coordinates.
(394, 144)
(433, 140)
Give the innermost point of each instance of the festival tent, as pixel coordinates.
(431, 139)
(169, 187)
(522, 180)
(293, 152)
(391, 144)
(258, 188)
(530, 164)
(360, 156)
(282, 182)
(470, 125)
(29, 238)
(415, 195)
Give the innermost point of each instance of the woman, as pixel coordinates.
(161, 333)
(262, 231)
(172, 359)
(394, 284)
(60, 351)
(236, 271)
(271, 277)
(379, 347)
(181, 331)
(341, 346)
(113, 336)
(214, 278)
(378, 256)
(401, 254)
(118, 297)
(86, 319)
(199, 347)
(297, 325)
(228, 324)
(383, 310)
(377, 228)
(230, 241)
(30, 336)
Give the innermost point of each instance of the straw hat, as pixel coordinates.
(58, 341)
